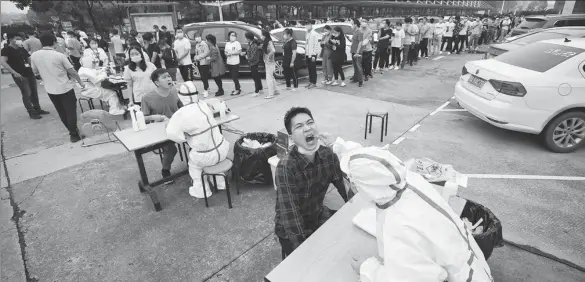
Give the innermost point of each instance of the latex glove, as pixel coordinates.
(327, 138)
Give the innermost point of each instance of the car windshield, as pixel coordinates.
(539, 36)
(547, 56)
(531, 23)
(258, 32)
(299, 35)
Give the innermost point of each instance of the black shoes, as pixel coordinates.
(236, 92)
(219, 93)
(34, 115)
(74, 138)
(42, 112)
(166, 173)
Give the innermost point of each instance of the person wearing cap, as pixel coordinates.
(302, 180)
(159, 105)
(419, 236)
(194, 123)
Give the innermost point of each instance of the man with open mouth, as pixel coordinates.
(302, 180)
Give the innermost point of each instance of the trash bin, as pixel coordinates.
(252, 163)
(491, 236)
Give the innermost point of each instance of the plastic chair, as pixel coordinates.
(220, 169)
(384, 129)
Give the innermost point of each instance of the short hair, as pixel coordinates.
(399, 23)
(432, 20)
(408, 20)
(115, 32)
(93, 39)
(288, 31)
(357, 22)
(147, 36)
(387, 22)
(47, 39)
(133, 33)
(232, 32)
(250, 35)
(71, 32)
(293, 112)
(178, 28)
(163, 27)
(162, 43)
(327, 27)
(155, 26)
(30, 32)
(11, 35)
(156, 74)
(457, 18)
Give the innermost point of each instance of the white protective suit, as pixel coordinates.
(94, 76)
(195, 124)
(420, 238)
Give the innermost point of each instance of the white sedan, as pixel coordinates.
(537, 89)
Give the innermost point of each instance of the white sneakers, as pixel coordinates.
(198, 193)
(334, 83)
(205, 94)
(343, 84)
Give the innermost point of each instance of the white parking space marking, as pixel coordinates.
(439, 108)
(438, 58)
(414, 128)
(454, 110)
(397, 141)
(526, 177)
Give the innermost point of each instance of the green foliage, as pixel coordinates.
(21, 4)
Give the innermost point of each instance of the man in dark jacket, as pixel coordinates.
(254, 57)
(167, 35)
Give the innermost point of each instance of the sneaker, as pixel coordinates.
(294, 89)
(353, 81)
(276, 92)
(311, 86)
(166, 173)
(342, 84)
(440, 52)
(238, 92)
(366, 78)
(269, 97)
(74, 138)
(35, 115)
(288, 88)
(361, 84)
(205, 94)
(397, 68)
(41, 112)
(334, 83)
(426, 57)
(219, 93)
(255, 94)
(328, 82)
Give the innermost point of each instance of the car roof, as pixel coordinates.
(283, 28)
(574, 42)
(557, 16)
(217, 23)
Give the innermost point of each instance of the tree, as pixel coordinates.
(21, 4)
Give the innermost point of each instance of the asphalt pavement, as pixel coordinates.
(75, 214)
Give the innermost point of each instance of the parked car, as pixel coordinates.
(512, 43)
(538, 88)
(300, 35)
(543, 22)
(221, 29)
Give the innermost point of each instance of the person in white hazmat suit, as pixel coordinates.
(419, 236)
(94, 75)
(195, 124)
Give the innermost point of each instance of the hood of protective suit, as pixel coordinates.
(87, 62)
(374, 171)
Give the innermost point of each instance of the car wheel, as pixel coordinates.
(565, 133)
(279, 69)
(196, 74)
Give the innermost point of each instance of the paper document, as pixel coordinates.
(366, 220)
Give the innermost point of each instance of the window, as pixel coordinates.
(549, 55)
(539, 36)
(191, 33)
(531, 23)
(575, 22)
(278, 35)
(560, 23)
(240, 34)
(218, 32)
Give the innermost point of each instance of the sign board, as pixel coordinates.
(144, 22)
(67, 26)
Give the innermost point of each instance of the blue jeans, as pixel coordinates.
(28, 90)
(358, 71)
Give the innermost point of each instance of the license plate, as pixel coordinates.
(476, 81)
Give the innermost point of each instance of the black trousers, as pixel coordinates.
(312, 66)
(66, 106)
(235, 74)
(186, 72)
(257, 78)
(388, 53)
(219, 84)
(459, 41)
(287, 247)
(396, 56)
(414, 52)
(383, 58)
(76, 63)
(367, 63)
(449, 41)
(424, 47)
(28, 90)
(290, 74)
(204, 72)
(338, 70)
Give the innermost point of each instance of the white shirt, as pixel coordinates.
(440, 29)
(464, 29)
(232, 51)
(182, 47)
(52, 66)
(141, 83)
(397, 38)
(312, 43)
(449, 29)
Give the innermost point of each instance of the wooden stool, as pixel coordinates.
(384, 128)
(220, 169)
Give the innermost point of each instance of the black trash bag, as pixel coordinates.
(491, 236)
(252, 164)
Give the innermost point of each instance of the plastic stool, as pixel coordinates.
(384, 128)
(220, 169)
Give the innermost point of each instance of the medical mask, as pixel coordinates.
(303, 151)
(98, 38)
(136, 59)
(180, 35)
(18, 42)
(93, 46)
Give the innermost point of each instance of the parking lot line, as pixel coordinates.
(414, 128)
(454, 110)
(438, 58)
(397, 141)
(439, 108)
(526, 177)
